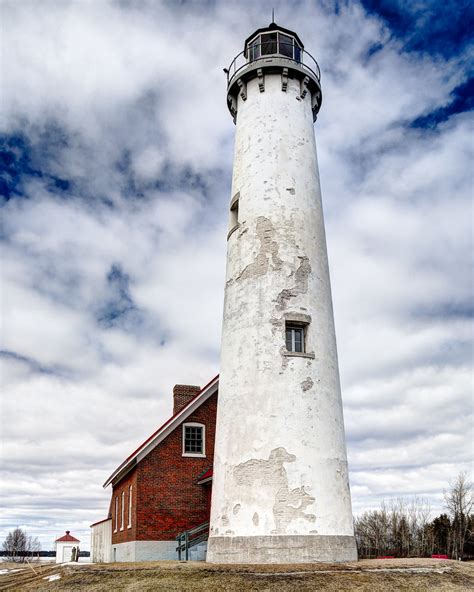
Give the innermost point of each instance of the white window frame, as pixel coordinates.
(122, 513)
(130, 489)
(293, 327)
(195, 425)
(116, 514)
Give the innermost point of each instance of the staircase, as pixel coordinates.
(192, 544)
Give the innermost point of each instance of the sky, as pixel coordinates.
(116, 152)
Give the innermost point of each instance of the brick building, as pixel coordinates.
(164, 487)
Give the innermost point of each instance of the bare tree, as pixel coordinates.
(18, 545)
(459, 501)
(404, 528)
(399, 527)
(34, 547)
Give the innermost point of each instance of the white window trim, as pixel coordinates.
(293, 328)
(122, 513)
(116, 514)
(130, 489)
(198, 425)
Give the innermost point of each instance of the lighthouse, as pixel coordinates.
(280, 486)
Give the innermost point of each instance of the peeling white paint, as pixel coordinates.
(280, 450)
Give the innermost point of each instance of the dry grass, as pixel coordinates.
(410, 575)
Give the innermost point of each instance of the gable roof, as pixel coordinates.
(67, 538)
(162, 432)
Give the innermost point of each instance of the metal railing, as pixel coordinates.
(191, 538)
(272, 49)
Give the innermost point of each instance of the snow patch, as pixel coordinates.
(52, 578)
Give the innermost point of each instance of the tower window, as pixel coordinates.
(193, 439)
(295, 337)
(234, 214)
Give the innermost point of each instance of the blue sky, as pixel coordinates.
(116, 156)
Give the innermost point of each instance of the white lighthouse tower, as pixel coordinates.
(280, 489)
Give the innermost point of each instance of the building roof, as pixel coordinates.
(205, 477)
(67, 538)
(162, 432)
(100, 522)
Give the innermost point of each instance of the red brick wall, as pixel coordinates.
(127, 534)
(166, 499)
(169, 500)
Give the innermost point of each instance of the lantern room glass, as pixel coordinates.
(273, 43)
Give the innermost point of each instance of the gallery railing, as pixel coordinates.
(273, 49)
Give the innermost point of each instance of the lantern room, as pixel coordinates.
(273, 40)
(273, 50)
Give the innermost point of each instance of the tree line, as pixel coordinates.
(404, 528)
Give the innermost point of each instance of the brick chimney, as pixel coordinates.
(182, 394)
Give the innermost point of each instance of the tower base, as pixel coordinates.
(281, 549)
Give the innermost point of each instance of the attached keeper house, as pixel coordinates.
(163, 489)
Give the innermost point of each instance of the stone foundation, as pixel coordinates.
(281, 549)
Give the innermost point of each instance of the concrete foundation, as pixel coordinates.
(144, 551)
(282, 549)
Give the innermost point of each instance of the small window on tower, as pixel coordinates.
(295, 338)
(193, 439)
(234, 214)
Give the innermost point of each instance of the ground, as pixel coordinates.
(410, 575)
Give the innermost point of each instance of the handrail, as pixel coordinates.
(241, 61)
(198, 528)
(186, 540)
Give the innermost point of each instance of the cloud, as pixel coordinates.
(117, 154)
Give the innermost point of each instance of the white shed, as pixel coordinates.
(64, 547)
(101, 541)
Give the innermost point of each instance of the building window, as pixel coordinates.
(122, 514)
(129, 525)
(116, 514)
(295, 338)
(194, 439)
